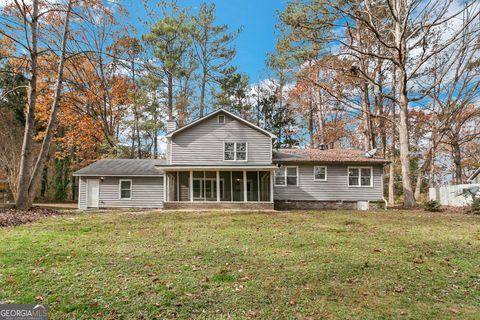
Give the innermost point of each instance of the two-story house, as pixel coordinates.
(224, 161)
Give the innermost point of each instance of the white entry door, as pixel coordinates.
(93, 190)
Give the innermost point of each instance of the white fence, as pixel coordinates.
(457, 195)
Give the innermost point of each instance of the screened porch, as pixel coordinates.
(219, 186)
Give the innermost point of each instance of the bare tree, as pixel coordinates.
(405, 43)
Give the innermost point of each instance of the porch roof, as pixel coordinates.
(122, 167)
(324, 156)
(216, 167)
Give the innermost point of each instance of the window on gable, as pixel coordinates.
(360, 177)
(229, 151)
(286, 176)
(235, 151)
(126, 189)
(221, 119)
(320, 173)
(241, 151)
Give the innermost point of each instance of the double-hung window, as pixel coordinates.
(286, 176)
(235, 151)
(320, 173)
(125, 189)
(360, 177)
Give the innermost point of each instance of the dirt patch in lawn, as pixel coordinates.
(14, 217)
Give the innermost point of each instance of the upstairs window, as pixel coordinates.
(320, 173)
(235, 151)
(286, 176)
(360, 177)
(221, 119)
(241, 151)
(125, 189)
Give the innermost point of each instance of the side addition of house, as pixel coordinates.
(224, 161)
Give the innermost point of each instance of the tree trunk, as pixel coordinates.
(310, 124)
(39, 165)
(391, 175)
(137, 133)
(132, 146)
(135, 110)
(379, 106)
(367, 130)
(457, 160)
(409, 198)
(402, 52)
(391, 183)
(421, 173)
(202, 90)
(74, 182)
(321, 119)
(22, 200)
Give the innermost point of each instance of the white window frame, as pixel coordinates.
(285, 176)
(120, 189)
(218, 119)
(359, 177)
(235, 151)
(314, 173)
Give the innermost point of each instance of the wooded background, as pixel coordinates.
(78, 84)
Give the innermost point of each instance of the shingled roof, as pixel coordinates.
(323, 156)
(122, 167)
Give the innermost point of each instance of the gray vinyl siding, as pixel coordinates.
(336, 187)
(147, 192)
(203, 143)
(82, 193)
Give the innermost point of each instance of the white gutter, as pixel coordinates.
(117, 175)
(221, 168)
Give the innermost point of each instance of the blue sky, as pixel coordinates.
(258, 18)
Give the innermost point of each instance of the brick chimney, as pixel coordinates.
(171, 125)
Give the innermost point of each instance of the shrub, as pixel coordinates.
(432, 205)
(476, 206)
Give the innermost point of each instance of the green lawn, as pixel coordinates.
(287, 265)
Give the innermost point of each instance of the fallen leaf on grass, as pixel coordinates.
(399, 289)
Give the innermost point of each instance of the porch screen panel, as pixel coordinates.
(225, 186)
(183, 188)
(237, 185)
(252, 186)
(198, 179)
(264, 185)
(210, 186)
(172, 186)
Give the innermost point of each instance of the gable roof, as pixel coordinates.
(122, 167)
(474, 175)
(324, 156)
(221, 110)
